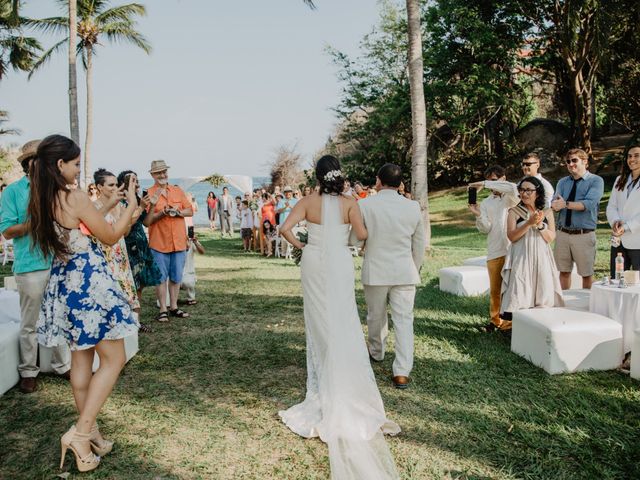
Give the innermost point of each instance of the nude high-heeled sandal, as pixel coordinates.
(101, 446)
(85, 464)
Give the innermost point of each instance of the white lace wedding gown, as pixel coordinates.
(342, 405)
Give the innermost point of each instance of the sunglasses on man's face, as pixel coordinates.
(569, 161)
(528, 164)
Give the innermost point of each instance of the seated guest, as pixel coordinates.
(530, 277)
(267, 212)
(491, 219)
(270, 233)
(623, 212)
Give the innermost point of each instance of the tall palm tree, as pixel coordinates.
(16, 50)
(74, 123)
(419, 185)
(96, 20)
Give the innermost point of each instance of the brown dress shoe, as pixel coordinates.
(66, 375)
(401, 382)
(28, 384)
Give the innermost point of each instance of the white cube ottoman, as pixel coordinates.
(561, 340)
(635, 355)
(465, 281)
(9, 355)
(577, 299)
(476, 261)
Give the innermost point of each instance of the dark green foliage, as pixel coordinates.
(490, 67)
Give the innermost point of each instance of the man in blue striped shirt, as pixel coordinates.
(577, 200)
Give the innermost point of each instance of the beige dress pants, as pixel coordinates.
(400, 299)
(31, 288)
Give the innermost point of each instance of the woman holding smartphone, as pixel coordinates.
(83, 304)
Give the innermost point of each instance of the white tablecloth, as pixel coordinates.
(9, 330)
(9, 306)
(619, 304)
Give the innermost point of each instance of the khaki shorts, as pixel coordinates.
(580, 249)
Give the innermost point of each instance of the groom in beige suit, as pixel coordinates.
(391, 269)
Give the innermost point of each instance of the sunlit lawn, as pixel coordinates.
(200, 400)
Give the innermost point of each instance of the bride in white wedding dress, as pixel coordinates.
(342, 404)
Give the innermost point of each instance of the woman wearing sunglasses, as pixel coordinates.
(530, 277)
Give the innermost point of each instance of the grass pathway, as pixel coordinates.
(200, 400)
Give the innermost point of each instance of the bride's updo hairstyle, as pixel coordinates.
(329, 176)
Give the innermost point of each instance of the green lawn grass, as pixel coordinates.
(200, 400)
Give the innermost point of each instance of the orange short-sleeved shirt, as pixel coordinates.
(169, 234)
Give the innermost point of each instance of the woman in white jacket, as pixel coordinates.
(623, 212)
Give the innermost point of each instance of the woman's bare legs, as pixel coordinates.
(90, 397)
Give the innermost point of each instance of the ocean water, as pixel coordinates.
(200, 191)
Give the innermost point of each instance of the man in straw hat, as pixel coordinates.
(168, 205)
(31, 270)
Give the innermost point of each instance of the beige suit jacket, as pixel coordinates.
(396, 239)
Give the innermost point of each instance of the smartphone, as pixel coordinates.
(127, 180)
(473, 196)
(190, 232)
(144, 193)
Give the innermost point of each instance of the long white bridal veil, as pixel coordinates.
(353, 417)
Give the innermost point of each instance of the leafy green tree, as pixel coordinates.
(97, 20)
(475, 99)
(575, 39)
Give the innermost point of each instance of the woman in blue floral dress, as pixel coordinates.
(83, 304)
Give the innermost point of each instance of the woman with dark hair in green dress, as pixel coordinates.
(145, 271)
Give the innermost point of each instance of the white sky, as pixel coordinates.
(226, 83)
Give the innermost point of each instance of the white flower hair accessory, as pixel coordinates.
(331, 175)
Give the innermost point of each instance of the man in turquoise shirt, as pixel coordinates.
(31, 270)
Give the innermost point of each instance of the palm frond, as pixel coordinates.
(46, 56)
(121, 13)
(22, 51)
(123, 32)
(53, 25)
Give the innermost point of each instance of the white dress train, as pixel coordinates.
(342, 404)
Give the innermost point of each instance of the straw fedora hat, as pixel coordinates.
(29, 150)
(158, 166)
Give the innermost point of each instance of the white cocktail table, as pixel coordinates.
(619, 304)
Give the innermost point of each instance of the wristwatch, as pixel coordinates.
(544, 225)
